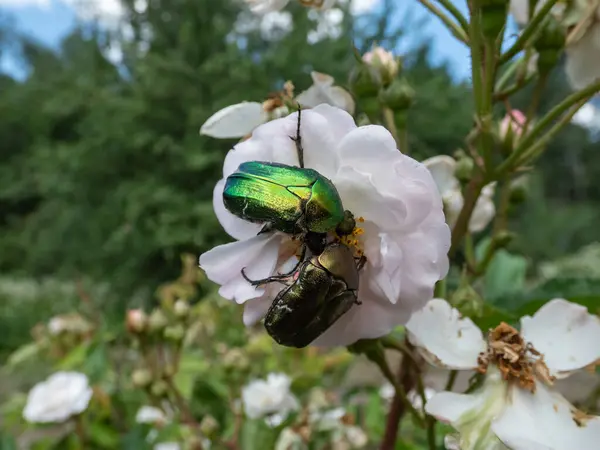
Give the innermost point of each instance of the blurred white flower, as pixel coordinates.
(385, 62)
(582, 64)
(387, 392)
(69, 323)
(239, 120)
(323, 91)
(404, 235)
(442, 169)
(167, 446)
(61, 396)
(516, 406)
(329, 25)
(290, 440)
(344, 435)
(266, 6)
(270, 398)
(151, 414)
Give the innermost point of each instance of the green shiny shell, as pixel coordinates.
(316, 299)
(292, 199)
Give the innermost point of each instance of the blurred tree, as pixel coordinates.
(103, 172)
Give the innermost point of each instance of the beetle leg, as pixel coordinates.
(273, 279)
(302, 255)
(298, 139)
(361, 262)
(267, 227)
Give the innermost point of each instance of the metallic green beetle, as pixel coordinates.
(322, 289)
(291, 199)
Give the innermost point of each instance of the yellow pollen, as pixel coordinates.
(351, 240)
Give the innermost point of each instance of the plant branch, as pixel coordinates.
(551, 116)
(390, 124)
(455, 29)
(472, 193)
(528, 32)
(452, 9)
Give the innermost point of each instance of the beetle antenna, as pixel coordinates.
(298, 139)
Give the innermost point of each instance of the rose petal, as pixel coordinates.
(484, 210)
(223, 265)
(582, 65)
(234, 226)
(248, 150)
(565, 333)
(473, 414)
(442, 169)
(452, 341)
(340, 122)
(323, 91)
(234, 121)
(545, 420)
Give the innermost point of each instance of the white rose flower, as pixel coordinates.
(270, 398)
(290, 440)
(266, 6)
(343, 435)
(150, 414)
(167, 446)
(442, 169)
(239, 120)
(404, 235)
(61, 396)
(516, 407)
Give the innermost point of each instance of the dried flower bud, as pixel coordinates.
(136, 321)
(209, 425)
(158, 320)
(181, 308)
(384, 62)
(159, 388)
(174, 333)
(141, 378)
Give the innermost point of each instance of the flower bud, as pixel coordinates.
(136, 321)
(181, 308)
(384, 62)
(235, 359)
(464, 168)
(174, 333)
(141, 378)
(493, 17)
(209, 425)
(159, 388)
(398, 96)
(519, 190)
(467, 300)
(365, 81)
(511, 129)
(158, 320)
(502, 239)
(549, 45)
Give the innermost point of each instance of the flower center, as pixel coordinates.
(353, 240)
(516, 359)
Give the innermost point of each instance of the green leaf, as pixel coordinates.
(103, 435)
(23, 354)
(7, 442)
(256, 435)
(505, 275)
(210, 396)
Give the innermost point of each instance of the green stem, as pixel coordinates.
(469, 250)
(452, 9)
(502, 95)
(534, 151)
(507, 74)
(487, 95)
(440, 289)
(476, 58)
(451, 380)
(456, 30)
(528, 32)
(429, 421)
(80, 431)
(472, 193)
(535, 102)
(390, 124)
(552, 115)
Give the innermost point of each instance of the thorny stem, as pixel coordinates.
(456, 30)
(451, 380)
(399, 404)
(485, 113)
(456, 14)
(535, 102)
(460, 228)
(184, 408)
(476, 54)
(528, 32)
(573, 99)
(390, 124)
